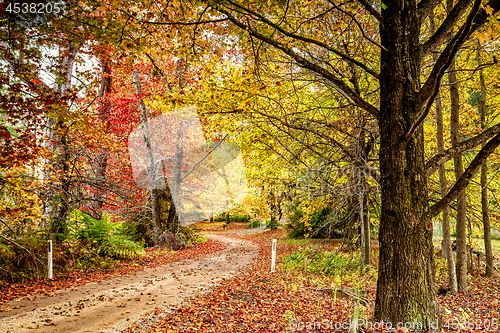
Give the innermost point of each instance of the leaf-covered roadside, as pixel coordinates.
(258, 301)
(153, 257)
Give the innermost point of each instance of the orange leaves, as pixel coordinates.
(488, 10)
(36, 82)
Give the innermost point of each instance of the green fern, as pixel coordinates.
(107, 238)
(5, 248)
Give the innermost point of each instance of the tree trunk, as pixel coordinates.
(57, 206)
(152, 168)
(405, 286)
(172, 219)
(484, 175)
(102, 156)
(461, 225)
(352, 221)
(443, 188)
(364, 214)
(177, 179)
(273, 201)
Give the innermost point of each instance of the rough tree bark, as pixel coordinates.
(405, 286)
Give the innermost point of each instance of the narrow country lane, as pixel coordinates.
(113, 304)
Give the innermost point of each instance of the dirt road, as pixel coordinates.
(113, 304)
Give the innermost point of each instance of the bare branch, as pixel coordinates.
(310, 40)
(178, 23)
(204, 157)
(430, 88)
(348, 152)
(446, 28)
(433, 163)
(464, 180)
(21, 247)
(359, 26)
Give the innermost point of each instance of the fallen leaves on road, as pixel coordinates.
(153, 257)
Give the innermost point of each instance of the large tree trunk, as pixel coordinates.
(172, 219)
(484, 175)
(443, 187)
(405, 286)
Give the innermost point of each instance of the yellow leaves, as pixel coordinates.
(18, 202)
(485, 36)
(488, 10)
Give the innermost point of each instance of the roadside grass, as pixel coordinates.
(477, 244)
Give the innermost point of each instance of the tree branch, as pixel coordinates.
(425, 7)
(21, 247)
(185, 23)
(359, 26)
(306, 64)
(433, 163)
(348, 152)
(310, 40)
(446, 28)
(477, 17)
(371, 10)
(430, 89)
(204, 157)
(464, 180)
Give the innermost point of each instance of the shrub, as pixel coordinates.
(232, 218)
(253, 224)
(190, 237)
(322, 262)
(317, 225)
(139, 231)
(107, 239)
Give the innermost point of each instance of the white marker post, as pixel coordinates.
(273, 257)
(49, 256)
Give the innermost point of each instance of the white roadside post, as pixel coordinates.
(49, 256)
(273, 257)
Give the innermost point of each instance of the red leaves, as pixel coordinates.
(4, 133)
